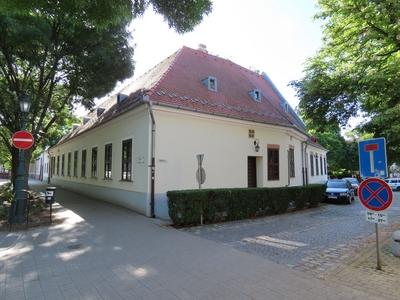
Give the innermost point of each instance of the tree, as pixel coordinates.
(62, 53)
(357, 70)
(343, 154)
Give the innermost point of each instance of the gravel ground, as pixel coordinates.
(298, 238)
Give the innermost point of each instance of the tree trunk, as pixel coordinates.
(14, 164)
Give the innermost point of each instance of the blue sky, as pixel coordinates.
(274, 36)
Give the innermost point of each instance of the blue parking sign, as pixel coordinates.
(372, 158)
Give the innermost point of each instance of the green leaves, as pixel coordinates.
(63, 53)
(357, 71)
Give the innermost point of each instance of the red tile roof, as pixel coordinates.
(177, 82)
(181, 86)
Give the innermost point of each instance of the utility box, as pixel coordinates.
(396, 243)
(50, 194)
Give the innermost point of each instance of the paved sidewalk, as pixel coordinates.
(361, 273)
(102, 251)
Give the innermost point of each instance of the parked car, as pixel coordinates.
(394, 183)
(339, 190)
(354, 183)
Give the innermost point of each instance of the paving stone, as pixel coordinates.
(127, 256)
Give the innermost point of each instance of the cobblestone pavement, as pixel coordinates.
(101, 251)
(361, 273)
(315, 241)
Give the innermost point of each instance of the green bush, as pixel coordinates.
(218, 205)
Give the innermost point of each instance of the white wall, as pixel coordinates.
(320, 153)
(225, 144)
(134, 125)
(39, 168)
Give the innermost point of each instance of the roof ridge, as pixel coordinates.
(265, 77)
(177, 54)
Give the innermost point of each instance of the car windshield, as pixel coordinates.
(352, 180)
(336, 184)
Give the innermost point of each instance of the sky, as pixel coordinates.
(272, 36)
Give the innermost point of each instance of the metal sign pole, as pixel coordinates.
(200, 179)
(51, 212)
(199, 168)
(378, 258)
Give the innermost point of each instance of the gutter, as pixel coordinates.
(152, 166)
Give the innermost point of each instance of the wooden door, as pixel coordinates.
(251, 171)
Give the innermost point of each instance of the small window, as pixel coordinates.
(211, 83)
(256, 95)
(286, 107)
(94, 162)
(273, 164)
(251, 133)
(58, 165)
(321, 166)
(62, 164)
(126, 160)
(76, 164)
(291, 162)
(316, 165)
(312, 164)
(69, 164)
(107, 161)
(83, 164)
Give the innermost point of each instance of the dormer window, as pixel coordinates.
(121, 97)
(100, 111)
(256, 95)
(211, 83)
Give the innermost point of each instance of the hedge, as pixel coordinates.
(217, 205)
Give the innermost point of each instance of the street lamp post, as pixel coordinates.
(19, 204)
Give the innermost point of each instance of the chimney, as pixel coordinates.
(203, 48)
(100, 110)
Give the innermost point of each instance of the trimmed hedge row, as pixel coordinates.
(216, 205)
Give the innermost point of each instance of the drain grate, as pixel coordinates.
(74, 246)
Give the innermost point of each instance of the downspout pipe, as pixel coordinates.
(152, 166)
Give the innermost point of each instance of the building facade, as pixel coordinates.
(143, 142)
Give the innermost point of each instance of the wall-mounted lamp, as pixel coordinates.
(256, 145)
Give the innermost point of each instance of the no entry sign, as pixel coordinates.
(375, 194)
(22, 140)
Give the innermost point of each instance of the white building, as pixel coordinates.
(39, 168)
(191, 103)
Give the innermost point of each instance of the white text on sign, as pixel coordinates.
(376, 217)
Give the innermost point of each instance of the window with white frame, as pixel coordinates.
(83, 163)
(291, 162)
(211, 83)
(94, 162)
(69, 164)
(126, 171)
(75, 163)
(107, 161)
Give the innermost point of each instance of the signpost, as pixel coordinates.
(372, 158)
(376, 196)
(200, 177)
(22, 140)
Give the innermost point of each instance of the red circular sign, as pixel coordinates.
(22, 140)
(375, 194)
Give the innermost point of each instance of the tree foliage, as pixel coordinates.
(63, 53)
(357, 70)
